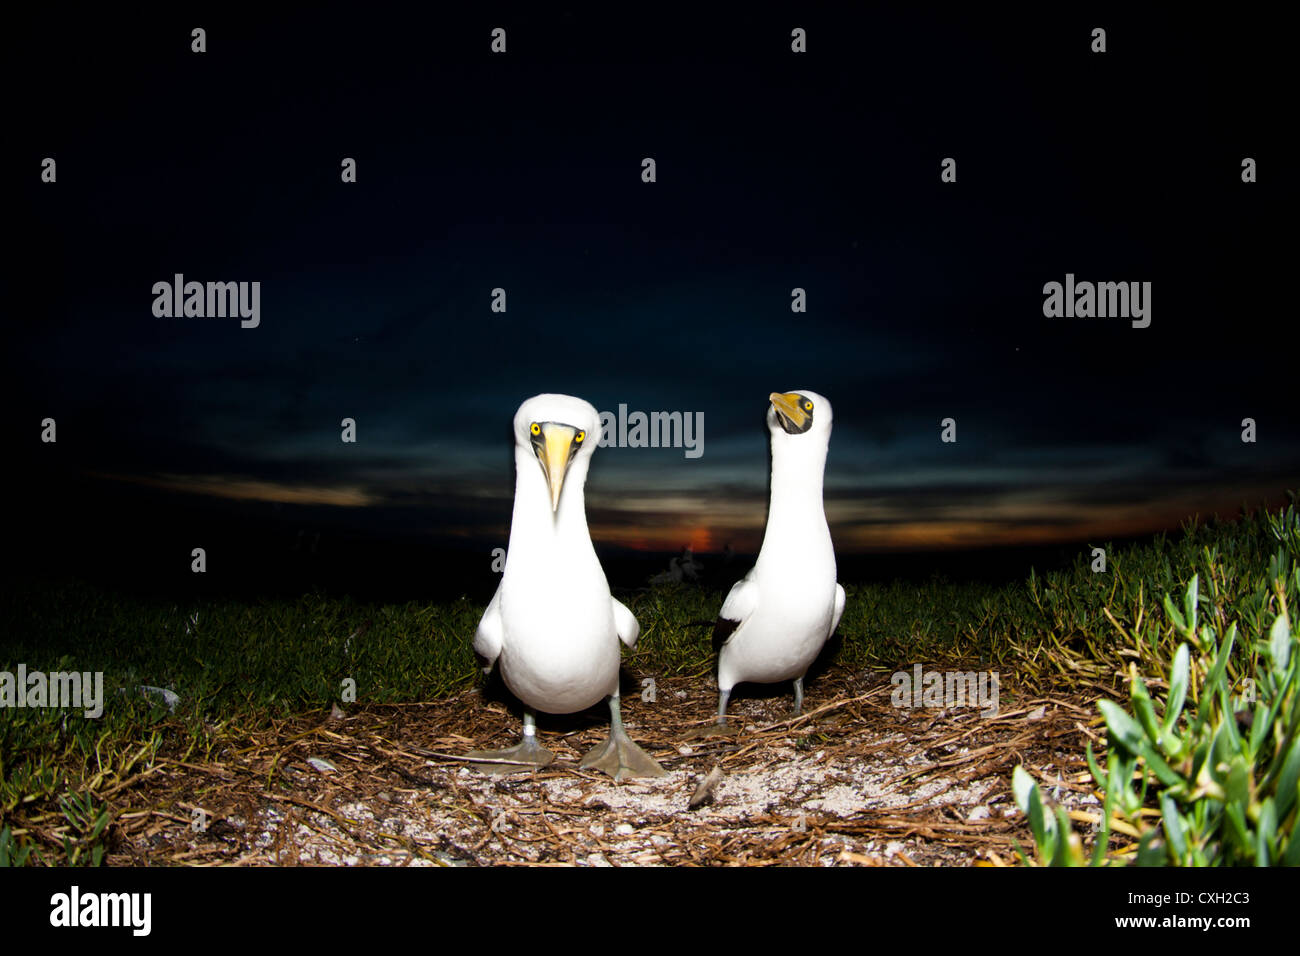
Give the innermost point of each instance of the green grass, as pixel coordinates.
(1216, 761)
(1203, 766)
(238, 665)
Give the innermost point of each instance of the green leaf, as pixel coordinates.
(1238, 831)
(1189, 601)
(1065, 854)
(1173, 827)
(1177, 686)
(1202, 757)
(1098, 774)
(1103, 832)
(1229, 722)
(1172, 745)
(1142, 706)
(1020, 852)
(1279, 644)
(1021, 784)
(1123, 728)
(1165, 773)
(1128, 734)
(1237, 784)
(1171, 612)
(100, 824)
(1151, 852)
(1030, 801)
(1286, 782)
(1260, 725)
(1266, 833)
(1292, 857)
(1214, 682)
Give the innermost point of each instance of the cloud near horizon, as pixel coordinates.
(933, 517)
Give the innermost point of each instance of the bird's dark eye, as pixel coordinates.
(535, 428)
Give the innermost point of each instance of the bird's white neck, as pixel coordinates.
(795, 510)
(538, 534)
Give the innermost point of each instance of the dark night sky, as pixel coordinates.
(774, 171)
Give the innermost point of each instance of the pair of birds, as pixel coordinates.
(554, 628)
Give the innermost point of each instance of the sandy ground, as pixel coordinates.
(854, 781)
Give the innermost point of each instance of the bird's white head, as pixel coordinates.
(557, 431)
(801, 414)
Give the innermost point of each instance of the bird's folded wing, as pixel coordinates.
(491, 631)
(625, 623)
(736, 608)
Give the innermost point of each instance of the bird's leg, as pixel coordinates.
(526, 755)
(798, 696)
(618, 756)
(720, 726)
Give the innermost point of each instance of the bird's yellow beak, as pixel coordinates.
(555, 451)
(787, 406)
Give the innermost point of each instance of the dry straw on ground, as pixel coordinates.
(853, 781)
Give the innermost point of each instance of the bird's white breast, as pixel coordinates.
(560, 650)
(787, 629)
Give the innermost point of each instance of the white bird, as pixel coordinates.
(690, 567)
(672, 576)
(552, 626)
(776, 618)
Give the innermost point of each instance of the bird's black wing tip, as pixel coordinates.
(723, 628)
